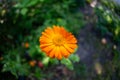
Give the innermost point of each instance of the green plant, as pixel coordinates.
(22, 21)
(108, 19)
(14, 63)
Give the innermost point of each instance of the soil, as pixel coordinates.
(95, 51)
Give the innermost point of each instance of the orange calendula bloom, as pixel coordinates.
(56, 42)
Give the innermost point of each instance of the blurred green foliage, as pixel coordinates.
(22, 21)
(109, 19)
(108, 13)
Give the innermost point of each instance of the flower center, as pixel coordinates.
(58, 40)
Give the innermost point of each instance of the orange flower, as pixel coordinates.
(56, 42)
(26, 45)
(32, 63)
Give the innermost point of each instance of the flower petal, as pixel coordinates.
(71, 39)
(45, 45)
(73, 46)
(68, 48)
(48, 49)
(52, 53)
(45, 35)
(56, 29)
(58, 53)
(64, 52)
(49, 31)
(44, 40)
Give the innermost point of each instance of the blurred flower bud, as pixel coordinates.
(114, 47)
(1, 58)
(26, 45)
(1, 21)
(40, 64)
(98, 68)
(32, 63)
(103, 41)
(3, 12)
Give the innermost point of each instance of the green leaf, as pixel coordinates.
(24, 11)
(32, 3)
(67, 63)
(74, 58)
(14, 73)
(18, 5)
(24, 3)
(45, 61)
(54, 61)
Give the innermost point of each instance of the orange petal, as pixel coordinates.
(73, 46)
(52, 53)
(45, 35)
(63, 31)
(68, 48)
(71, 40)
(63, 51)
(58, 53)
(43, 40)
(48, 49)
(60, 56)
(49, 30)
(56, 29)
(45, 45)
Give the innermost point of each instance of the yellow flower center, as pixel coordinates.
(58, 40)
